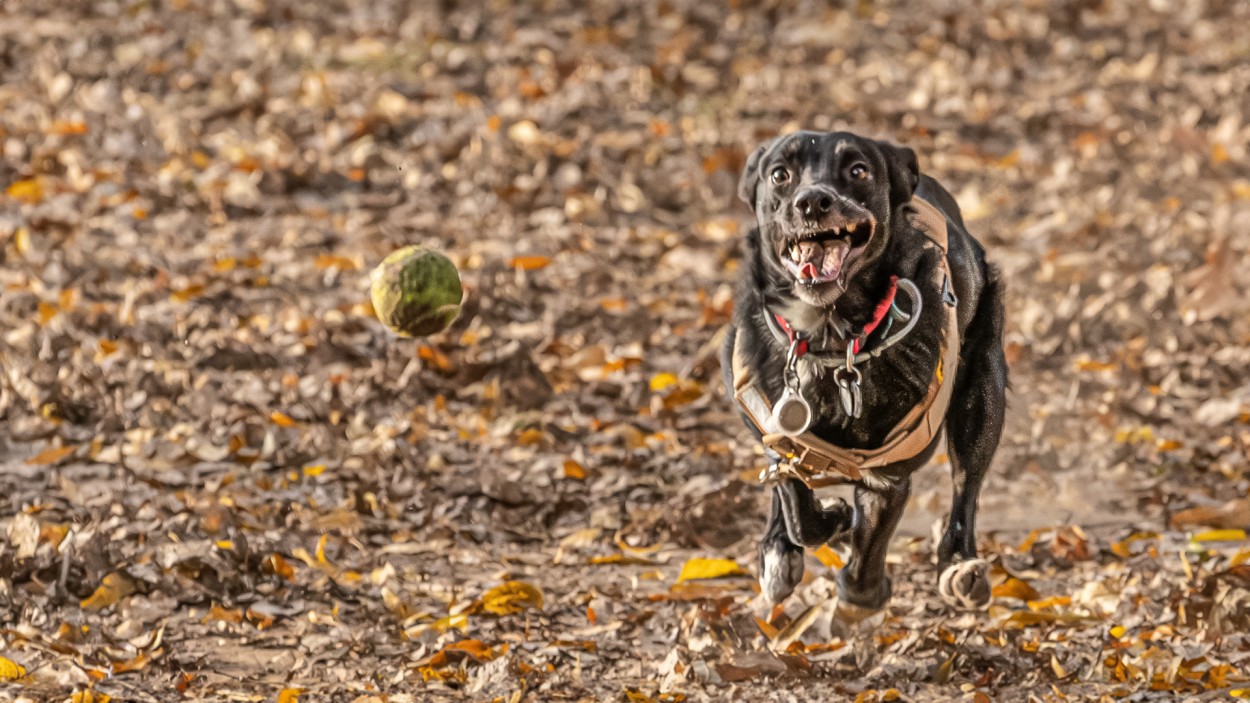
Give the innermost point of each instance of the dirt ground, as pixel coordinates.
(224, 480)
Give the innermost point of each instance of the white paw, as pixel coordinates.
(780, 571)
(966, 585)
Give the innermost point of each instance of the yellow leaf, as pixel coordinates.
(529, 263)
(1241, 557)
(660, 381)
(1015, 588)
(828, 557)
(289, 695)
(1118, 631)
(182, 295)
(1096, 366)
(21, 240)
(321, 550)
(530, 437)
(708, 569)
(1220, 536)
(634, 696)
(27, 191)
(46, 313)
(459, 621)
(325, 261)
(11, 670)
(574, 470)
(114, 587)
(51, 455)
(281, 419)
(1239, 693)
(312, 471)
(1051, 602)
(511, 597)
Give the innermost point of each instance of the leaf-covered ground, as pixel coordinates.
(224, 480)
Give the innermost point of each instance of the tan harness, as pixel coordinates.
(812, 459)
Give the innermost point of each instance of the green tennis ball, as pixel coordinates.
(416, 292)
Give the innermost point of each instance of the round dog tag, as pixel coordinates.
(792, 415)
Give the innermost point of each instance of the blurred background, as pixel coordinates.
(196, 400)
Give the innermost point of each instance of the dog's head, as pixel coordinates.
(824, 203)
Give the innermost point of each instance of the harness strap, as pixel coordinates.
(813, 458)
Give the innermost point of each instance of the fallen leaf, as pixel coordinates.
(29, 191)
(828, 557)
(289, 695)
(11, 670)
(114, 587)
(90, 696)
(660, 381)
(511, 597)
(281, 419)
(1015, 588)
(792, 632)
(622, 559)
(698, 568)
(51, 455)
(1220, 536)
(574, 470)
(1231, 515)
(529, 263)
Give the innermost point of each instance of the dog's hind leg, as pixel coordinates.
(973, 428)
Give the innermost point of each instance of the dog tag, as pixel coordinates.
(792, 415)
(849, 393)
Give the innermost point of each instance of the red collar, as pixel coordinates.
(878, 314)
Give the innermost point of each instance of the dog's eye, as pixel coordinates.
(859, 172)
(779, 175)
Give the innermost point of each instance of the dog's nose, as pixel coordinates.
(813, 202)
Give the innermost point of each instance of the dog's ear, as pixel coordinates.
(904, 172)
(751, 175)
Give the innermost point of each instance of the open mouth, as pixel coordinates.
(820, 256)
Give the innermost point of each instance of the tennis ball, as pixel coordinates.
(416, 292)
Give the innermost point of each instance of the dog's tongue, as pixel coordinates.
(811, 256)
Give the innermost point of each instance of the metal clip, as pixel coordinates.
(849, 391)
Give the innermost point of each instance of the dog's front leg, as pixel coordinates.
(796, 520)
(863, 586)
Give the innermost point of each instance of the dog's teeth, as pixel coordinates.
(794, 252)
(850, 228)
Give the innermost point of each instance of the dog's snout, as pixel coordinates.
(813, 203)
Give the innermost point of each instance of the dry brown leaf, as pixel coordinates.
(112, 589)
(1233, 514)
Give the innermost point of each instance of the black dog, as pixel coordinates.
(840, 232)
